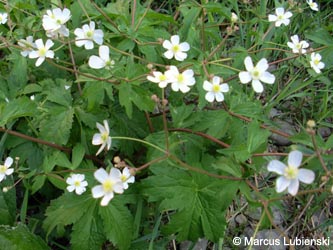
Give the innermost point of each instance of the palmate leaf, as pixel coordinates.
(199, 201)
(117, 222)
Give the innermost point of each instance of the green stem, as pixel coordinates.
(141, 141)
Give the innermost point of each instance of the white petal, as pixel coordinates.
(115, 174)
(39, 43)
(39, 61)
(106, 126)
(262, 65)
(101, 148)
(285, 21)
(180, 56)
(97, 191)
(291, 45)
(79, 33)
(80, 190)
(184, 46)
(96, 62)
(89, 45)
(207, 86)
(97, 139)
(279, 11)
(293, 187)
(216, 80)
(167, 44)
(276, 166)
(305, 175)
(168, 54)
(2, 177)
(248, 63)
(108, 143)
(295, 158)
(272, 18)
(257, 86)
(281, 184)
(184, 88)
(224, 87)
(103, 52)
(48, 44)
(101, 175)
(9, 161)
(210, 96)
(71, 188)
(9, 171)
(175, 39)
(288, 14)
(267, 77)
(219, 97)
(244, 77)
(106, 199)
(49, 54)
(118, 187)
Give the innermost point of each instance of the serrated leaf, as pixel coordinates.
(256, 136)
(226, 164)
(16, 108)
(67, 209)
(199, 201)
(56, 126)
(18, 76)
(118, 223)
(19, 237)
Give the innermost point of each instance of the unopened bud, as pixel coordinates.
(155, 98)
(150, 66)
(160, 40)
(132, 171)
(311, 123)
(234, 17)
(5, 189)
(165, 102)
(116, 159)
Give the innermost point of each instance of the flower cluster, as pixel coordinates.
(110, 183)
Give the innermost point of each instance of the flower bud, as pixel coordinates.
(116, 159)
(234, 17)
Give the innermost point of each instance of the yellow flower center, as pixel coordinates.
(90, 34)
(162, 78)
(108, 186)
(255, 74)
(291, 172)
(123, 178)
(3, 169)
(316, 61)
(216, 88)
(180, 78)
(175, 48)
(298, 46)
(77, 183)
(104, 136)
(42, 51)
(280, 17)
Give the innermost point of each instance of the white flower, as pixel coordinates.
(54, 22)
(234, 17)
(313, 5)
(126, 177)
(103, 60)
(256, 74)
(159, 78)
(42, 51)
(88, 35)
(76, 182)
(175, 49)
(291, 175)
(27, 45)
(5, 168)
(281, 17)
(316, 63)
(215, 89)
(102, 138)
(3, 18)
(297, 46)
(110, 183)
(180, 81)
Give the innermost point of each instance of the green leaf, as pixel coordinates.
(199, 201)
(256, 136)
(20, 238)
(57, 124)
(38, 183)
(67, 209)
(7, 203)
(320, 36)
(16, 108)
(18, 76)
(77, 155)
(226, 164)
(118, 223)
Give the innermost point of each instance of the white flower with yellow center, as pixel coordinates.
(256, 74)
(42, 52)
(313, 5)
(160, 78)
(102, 138)
(291, 175)
(5, 168)
(76, 182)
(88, 35)
(281, 17)
(180, 81)
(54, 22)
(298, 47)
(215, 89)
(126, 177)
(110, 183)
(316, 62)
(176, 49)
(101, 61)
(3, 18)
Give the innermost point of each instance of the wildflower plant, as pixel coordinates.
(132, 125)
